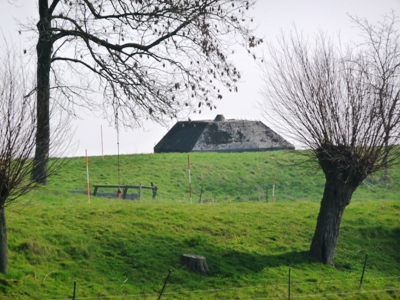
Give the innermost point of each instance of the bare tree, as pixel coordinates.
(381, 65)
(150, 58)
(17, 141)
(328, 99)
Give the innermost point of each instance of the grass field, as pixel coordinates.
(121, 249)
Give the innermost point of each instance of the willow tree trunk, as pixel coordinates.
(386, 177)
(44, 50)
(337, 195)
(3, 242)
(4, 193)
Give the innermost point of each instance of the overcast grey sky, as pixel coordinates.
(271, 16)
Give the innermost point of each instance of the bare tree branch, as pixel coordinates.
(17, 140)
(152, 59)
(344, 106)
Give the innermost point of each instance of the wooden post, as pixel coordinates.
(165, 284)
(290, 283)
(124, 192)
(190, 180)
(273, 189)
(74, 294)
(87, 176)
(140, 191)
(363, 271)
(201, 194)
(154, 189)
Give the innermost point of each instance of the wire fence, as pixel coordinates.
(376, 288)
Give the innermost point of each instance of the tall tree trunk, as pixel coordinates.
(337, 196)
(386, 177)
(44, 49)
(4, 193)
(3, 242)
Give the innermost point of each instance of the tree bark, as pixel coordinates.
(386, 177)
(195, 263)
(3, 242)
(44, 50)
(337, 196)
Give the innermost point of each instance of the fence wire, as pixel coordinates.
(326, 288)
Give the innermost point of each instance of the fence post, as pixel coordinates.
(289, 283)
(201, 193)
(273, 189)
(363, 271)
(74, 294)
(266, 194)
(165, 284)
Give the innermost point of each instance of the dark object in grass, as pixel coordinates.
(195, 263)
(132, 196)
(123, 189)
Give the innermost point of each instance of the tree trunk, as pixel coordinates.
(337, 196)
(195, 263)
(386, 177)
(3, 242)
(44, 50)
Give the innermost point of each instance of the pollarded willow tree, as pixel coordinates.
(149, 58)
(344, 106)
(17, 140)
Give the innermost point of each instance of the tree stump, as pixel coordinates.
(195, 263)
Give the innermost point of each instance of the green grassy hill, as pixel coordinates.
(122, 249)
(223, 177)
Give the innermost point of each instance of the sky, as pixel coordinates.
(272, 17)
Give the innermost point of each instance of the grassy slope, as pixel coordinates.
(113, 247)
(223, 176)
